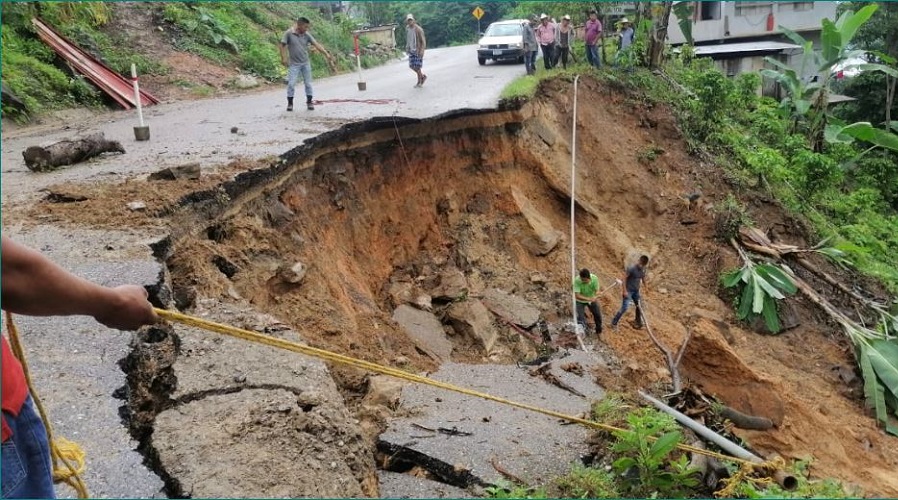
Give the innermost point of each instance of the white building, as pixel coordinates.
(737, 35)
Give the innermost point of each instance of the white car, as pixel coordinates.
(502, 41)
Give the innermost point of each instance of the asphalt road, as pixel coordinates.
(201, 130)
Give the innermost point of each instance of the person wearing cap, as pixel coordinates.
(545, 36)
(625, 36)
(565, 37)
(415, 43)
(593, 36)
(295, 44)
(531, 48)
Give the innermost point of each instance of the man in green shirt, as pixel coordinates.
(586, 291)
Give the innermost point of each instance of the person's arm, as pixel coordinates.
(33, 285)
(283, 50)
(623, 286)
(422, 41)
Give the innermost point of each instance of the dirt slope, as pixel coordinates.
(367, 215)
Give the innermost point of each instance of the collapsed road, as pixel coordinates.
(386, 240)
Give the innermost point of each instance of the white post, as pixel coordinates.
(137, 93)
(573, 203)
(358, 62)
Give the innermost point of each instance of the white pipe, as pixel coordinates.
(358, 62)
(137, 94)
(573, 203)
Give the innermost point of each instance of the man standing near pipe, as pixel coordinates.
(586, 293)
(545, 35)
(633, 278)
(295, 44)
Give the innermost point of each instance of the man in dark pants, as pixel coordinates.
(634, 277)
(586, 290)
(545, 36)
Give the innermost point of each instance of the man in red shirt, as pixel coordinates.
(33, 285)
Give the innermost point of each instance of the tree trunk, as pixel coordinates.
(659, 37)
(68, 152)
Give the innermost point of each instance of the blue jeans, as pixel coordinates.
(631, 296)
(592, 56)
(548, 55)
(293, 74)
(25, 467)
(530, 61)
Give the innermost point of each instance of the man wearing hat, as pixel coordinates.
(565, 38)
(415, 43)
(626, 33)
(593, 37)
(545, 35)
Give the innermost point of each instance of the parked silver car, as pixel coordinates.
(502, 41)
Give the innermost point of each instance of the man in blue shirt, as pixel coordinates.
(634, 277)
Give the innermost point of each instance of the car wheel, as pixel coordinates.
(481, 60)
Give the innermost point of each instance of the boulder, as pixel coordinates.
(246, 82)
(452, 285)
(401, 292)
(384, 391)
(472, 319)
(292, 273)
(513, 308)
(544, 238)
(426, 331)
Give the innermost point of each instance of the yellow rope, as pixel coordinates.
(411, 377)
(61, 449)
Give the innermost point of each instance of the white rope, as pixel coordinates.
(573, 204)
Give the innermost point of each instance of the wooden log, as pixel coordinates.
(69, 152)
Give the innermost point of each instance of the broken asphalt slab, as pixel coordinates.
(532, 446)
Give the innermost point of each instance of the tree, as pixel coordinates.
(808, 101)
(879, 35)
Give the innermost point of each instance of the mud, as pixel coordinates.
(382, 202)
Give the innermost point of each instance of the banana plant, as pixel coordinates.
(762, 285)
(807, 101)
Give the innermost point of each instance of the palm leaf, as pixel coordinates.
(874, 392)
(771, 318)
(778, 278)
(745, 304)
(883, 356)
(850, 23)
(758, 295)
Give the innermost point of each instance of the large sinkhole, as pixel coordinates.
(416, 243)
(405, 242)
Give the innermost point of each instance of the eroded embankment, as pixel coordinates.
(387, 240)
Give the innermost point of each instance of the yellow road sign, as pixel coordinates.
(478, 13)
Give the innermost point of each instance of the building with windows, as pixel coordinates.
(738, 35)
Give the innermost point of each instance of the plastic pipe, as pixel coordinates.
(573, 204)
(785, 480)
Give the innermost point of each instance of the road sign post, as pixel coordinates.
(478, 13)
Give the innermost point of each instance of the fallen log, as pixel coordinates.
(744, 421)
(69, 152)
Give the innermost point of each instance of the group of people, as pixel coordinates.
(586, 295)
(556, 40)
(294, 49)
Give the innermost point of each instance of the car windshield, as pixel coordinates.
(504, 30)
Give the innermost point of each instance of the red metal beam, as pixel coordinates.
(114, 84)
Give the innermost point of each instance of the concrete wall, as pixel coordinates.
(383, 35)
(734, 20)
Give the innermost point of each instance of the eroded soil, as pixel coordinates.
(371, 214)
